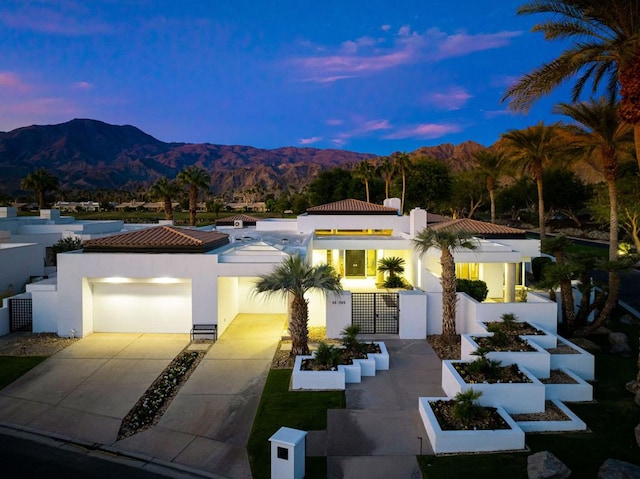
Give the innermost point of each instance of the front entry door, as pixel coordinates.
(355, 263)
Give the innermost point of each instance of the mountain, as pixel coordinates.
(89, 154)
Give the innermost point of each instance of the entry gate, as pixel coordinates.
(376, 313)
(20, 314)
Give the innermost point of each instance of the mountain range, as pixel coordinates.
(90, 154)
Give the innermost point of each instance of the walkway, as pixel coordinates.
(378, 434)
(83, 392)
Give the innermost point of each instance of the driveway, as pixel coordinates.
(84, 391)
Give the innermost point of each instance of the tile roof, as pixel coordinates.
(159, 239)
(435, 218)
(479, 228)
(229, 220)
(351, 206)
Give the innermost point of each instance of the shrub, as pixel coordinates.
(509, 320)
(349, 338)
(465, 408)
(477, 289)
(499, 338)
(327, 355)
(394, 282)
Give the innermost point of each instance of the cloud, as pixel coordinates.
(366, 55)
(12, 81)
(68, 19)
(424, 131)
(488, 114)
(82, 85)
(334, 122)
(310, 141)
(385, 28)
(452, 99)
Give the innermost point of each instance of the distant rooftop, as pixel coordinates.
(230, 220)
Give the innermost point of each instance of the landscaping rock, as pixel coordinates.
(615, 469)
(544, 465)
(619, 344)
(628, 319)
(637, 432)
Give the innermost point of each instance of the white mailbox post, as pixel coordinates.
(287, 453)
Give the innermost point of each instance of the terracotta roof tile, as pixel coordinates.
(228, 220)
(479, 228)
(351, 206)
(435, 218)
(159, 239)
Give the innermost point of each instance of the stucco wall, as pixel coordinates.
(17, 263)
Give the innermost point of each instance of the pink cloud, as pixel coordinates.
(83, 85)
(12, 81)
(310, 141)
(334, 122)
(495, 113)
(424, 131)
(461, 44)
(385, 28)
(72, 22)
(453, 99)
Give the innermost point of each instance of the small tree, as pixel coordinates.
(70, 243)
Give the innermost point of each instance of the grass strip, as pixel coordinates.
(12, 367)
(305, 410)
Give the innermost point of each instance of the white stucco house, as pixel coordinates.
(165, 279)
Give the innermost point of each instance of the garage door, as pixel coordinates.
(141, 308)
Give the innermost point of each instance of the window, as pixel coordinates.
(283, 453)
(468, 271)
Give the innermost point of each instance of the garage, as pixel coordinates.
(141, 307)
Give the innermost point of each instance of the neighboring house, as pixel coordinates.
(165, 279)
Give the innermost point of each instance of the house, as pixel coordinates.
(164, 279)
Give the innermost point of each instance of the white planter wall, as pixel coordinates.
(573, 423)
(316, 380)
(570, 392)
(583, 364)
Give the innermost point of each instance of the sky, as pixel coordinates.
(369, 76)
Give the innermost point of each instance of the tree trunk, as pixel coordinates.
(41, 204)
(492, 198)
(298, 327)
(366, 187)
(404, 184)
(168, 209)
(540, 208)
(609, 304)
(193, 204)
(568, 312)
(613, 220)
(449, 297)
(636, 141)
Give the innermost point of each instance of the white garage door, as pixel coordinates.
(141, 308)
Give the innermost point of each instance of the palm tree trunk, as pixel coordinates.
(540, 208)
(386, 188)
(168, 209)
(366, 187)
(404, 184)
(636, 140)
(298, 327)
(41, 199)
(193, 204)
(492, 199)
(613, 220)
(609, 304)
(568, 312)
(448, 294)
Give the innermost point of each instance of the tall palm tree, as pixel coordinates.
(606, 48)
(447, 241)
(165, 190)
(386, 171)
(40, 181)
(365, 171)
(529, 151)
(489, 164)
(603, 136)
(197, 179)
(293, 278)
(402, 162)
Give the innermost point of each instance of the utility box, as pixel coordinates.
(288, 453)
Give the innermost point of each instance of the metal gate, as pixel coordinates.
(375, 313)
(21, 314)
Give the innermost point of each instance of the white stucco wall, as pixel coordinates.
(413, 314)
(17, 263)
(227, 302)
(338, 314)
(493, 275)
(45, 301)
(309, 223)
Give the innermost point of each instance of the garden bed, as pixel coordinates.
(565, 385)
(574, 358)
(508, 437)
(556, 417)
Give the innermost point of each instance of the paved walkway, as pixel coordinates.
(377, 435)
(83, 392)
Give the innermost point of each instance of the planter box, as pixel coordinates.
(546, 340)
(582, 363)
(573, 423)
(316, 380)
(538, 362)
(570, 392)
(346, 373)
(469, 441)
(513, 397)
(381, 358)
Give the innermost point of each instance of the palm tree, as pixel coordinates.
(293, 278)
(603, 136)
(386, 171)
(165, 189)
(40, 181)
(530, 151)
(365, 171)
(489, 165)
(447, 242)
(391, 264)
(402, 162)
(197, 179)
(606, 48)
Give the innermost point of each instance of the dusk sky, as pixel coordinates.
(369, 76)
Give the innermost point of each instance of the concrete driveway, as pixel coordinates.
(84, 391)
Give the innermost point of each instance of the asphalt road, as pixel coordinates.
(21, 458)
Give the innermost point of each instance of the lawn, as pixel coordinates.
(610, 419)
(305, 410)
(12, 367)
